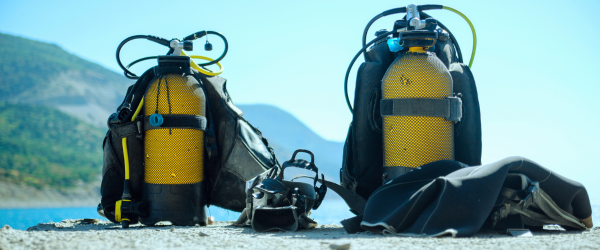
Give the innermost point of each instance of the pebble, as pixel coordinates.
(340, 247)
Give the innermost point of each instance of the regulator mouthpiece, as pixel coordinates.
(208, 46)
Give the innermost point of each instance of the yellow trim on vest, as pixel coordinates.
(118, 211)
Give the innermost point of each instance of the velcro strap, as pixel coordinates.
(125, 129)
(449, 108)
(178, 121)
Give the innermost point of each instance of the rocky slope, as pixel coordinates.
(39, 73)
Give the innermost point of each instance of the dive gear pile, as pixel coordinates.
(416, 129)
(162, 159)
(276, 204)
(178, 144)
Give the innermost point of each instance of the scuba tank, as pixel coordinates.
(168, 139)
(415, 102)
(164, 143)
(418, 108)
(174, 123)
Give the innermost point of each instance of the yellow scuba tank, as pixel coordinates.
(418, 107)
(176, 135)
(411, 140)
(174, 155)
(175, 111)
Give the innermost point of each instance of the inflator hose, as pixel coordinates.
(364, 48)
(472, 30)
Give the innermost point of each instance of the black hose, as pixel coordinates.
(354, 60)
(454, 41)
(126, 71)
(166, 43)
(385, 13)
(140, 60)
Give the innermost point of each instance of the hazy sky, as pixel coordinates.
(536, 66)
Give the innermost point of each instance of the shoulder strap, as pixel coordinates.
(134, 95)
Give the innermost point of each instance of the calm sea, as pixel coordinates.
(331, 211)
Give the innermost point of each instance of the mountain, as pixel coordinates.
(41, 146)
(39, 73)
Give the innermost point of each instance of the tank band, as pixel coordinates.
(449, 108)
(178, 121)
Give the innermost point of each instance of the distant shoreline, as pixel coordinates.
(15, 196)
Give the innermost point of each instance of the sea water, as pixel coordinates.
(331, 212)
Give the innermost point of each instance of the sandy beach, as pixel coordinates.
(81, 234)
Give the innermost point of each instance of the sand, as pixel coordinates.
(78, 234)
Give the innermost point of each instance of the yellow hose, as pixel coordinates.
(472, 29)
(137, 111)
(203, 71)
(124, 140)
(126, 157)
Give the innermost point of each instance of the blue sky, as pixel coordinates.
(536, 64)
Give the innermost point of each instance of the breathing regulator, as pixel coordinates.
(177, 48)
(416, 28)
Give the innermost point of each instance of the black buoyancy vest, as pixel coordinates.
(362, 167)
